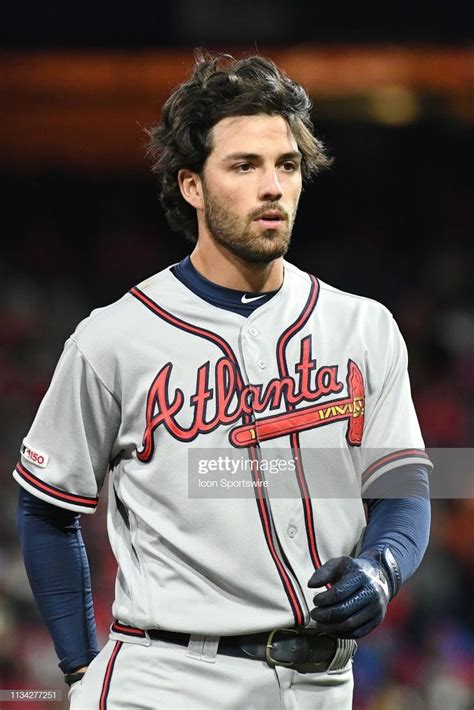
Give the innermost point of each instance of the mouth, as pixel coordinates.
(272, 219)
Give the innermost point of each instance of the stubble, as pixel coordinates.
(241, 236)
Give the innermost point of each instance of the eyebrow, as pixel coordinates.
(291, 155)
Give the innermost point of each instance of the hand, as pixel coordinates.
(357, 601)
(76, 675)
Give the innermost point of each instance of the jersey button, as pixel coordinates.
(261, 363)
(291, 530)
(254, 331)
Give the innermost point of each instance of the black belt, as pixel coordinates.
(291, 648)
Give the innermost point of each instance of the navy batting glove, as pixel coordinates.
(359, 596)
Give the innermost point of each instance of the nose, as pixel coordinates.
(270, 188)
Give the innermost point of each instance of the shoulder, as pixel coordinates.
(353, 303)
(110, 326)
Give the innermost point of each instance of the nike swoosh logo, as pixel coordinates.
(244, 298)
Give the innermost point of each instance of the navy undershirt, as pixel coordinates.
(229, 299)
(55, 556)
(58, 570)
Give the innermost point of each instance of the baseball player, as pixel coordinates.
(248, 590)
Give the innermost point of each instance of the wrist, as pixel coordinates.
(76, 675)
(392, 570)
(389, 567)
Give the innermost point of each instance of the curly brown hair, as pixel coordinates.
(221, 86)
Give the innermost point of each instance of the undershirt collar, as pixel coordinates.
(229, 299)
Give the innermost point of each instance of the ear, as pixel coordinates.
(190, 185)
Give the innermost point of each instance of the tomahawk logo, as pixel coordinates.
(226, 403)
(351, 408)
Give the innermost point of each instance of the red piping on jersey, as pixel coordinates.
(265, 518)
(108, 676)
(261, 502)
(53, 491)
(188, 327)
(394, 456)
(294, 437)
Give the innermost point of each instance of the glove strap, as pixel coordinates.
(392, 569)
(388, 567)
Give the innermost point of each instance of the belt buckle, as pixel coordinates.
(269, 645)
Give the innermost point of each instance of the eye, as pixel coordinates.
(243, 167)
(289, 166)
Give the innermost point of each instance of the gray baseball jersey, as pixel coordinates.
(315, 377)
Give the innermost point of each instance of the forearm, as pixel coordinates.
(396, 537)
(58, 571)
(401, 523)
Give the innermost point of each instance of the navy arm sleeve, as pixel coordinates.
(401, 523)
(58, 570)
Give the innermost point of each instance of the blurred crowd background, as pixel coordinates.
(391, 220)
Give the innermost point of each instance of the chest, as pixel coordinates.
(244, 383)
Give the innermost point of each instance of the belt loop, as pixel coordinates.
(131, 634)
(203, 648)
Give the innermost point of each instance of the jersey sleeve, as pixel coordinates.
(392, 436)
(66, 453)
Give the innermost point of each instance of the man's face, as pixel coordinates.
(251, 186)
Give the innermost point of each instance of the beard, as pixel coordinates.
(242, 237)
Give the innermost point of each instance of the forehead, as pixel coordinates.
(252, 134)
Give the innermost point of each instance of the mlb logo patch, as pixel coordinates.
(35, 457)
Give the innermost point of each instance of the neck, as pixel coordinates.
(218, 265)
